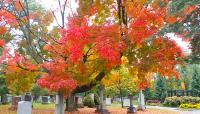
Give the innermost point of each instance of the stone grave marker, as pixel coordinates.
(4, 99)
(92, 96)
(28, 97)
(141, 101)
(9, 98)
(45, 99)
(24, 107)
(126, 102)
(108, 101)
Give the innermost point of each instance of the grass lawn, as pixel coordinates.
(49, 109)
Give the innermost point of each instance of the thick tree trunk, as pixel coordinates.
(59, 104)
(101, 98)
(71, 104)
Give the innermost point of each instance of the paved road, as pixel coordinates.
(176, 109)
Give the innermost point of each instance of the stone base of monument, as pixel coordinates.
(140, 107)
(131, 110)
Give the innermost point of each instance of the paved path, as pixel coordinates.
(176, 109)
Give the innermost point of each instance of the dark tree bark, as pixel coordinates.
(81, 89)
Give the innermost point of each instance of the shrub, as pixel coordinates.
(88, 101)
(177, 101)
(153, 102)
(186, 106)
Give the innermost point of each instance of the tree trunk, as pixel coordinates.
(131, 101)
(120, 91)
(131, 109)
(59, 104)
(71, 104)
(101, 98)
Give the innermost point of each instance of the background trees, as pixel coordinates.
(195, 81)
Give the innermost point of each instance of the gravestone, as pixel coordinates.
(180, 93)
(45, 99)
(28, 97)
(126, 102)
(189, 92)
(141, 100)
(118, 99)
(108, 101)
(10, 98)
(24, 107)
(4, 99)
(92, 96)
(80, 100)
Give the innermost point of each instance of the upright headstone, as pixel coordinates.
(24, 107)
(180, 93)
(126, 102)
(108, 101)
(4, 99)
(45, 99)
(9, 98)
(141, 100)
(92, 96)
(28, 97)
(80, 100)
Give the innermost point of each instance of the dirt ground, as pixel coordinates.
(92, 111)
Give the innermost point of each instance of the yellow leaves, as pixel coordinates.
(134, 7)
(20, 81)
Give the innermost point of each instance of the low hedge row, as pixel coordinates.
(188, 106)
(177, 101)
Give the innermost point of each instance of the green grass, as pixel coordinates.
(118, 104)
(43, 106)
(35, 106)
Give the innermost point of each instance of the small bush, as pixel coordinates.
(88, 101)
(153, 102)
(177, 101)
(188, 106)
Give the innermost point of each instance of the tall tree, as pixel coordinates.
(160, 88)
(195, 82)
(78, 53)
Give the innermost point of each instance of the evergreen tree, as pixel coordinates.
(148, 93)
(160, 88)
(3, 88)
(196, 82)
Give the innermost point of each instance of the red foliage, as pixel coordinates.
(2, 42)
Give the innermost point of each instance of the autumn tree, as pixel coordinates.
(88, 44)
(119, 82)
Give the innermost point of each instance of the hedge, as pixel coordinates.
(177, 101)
